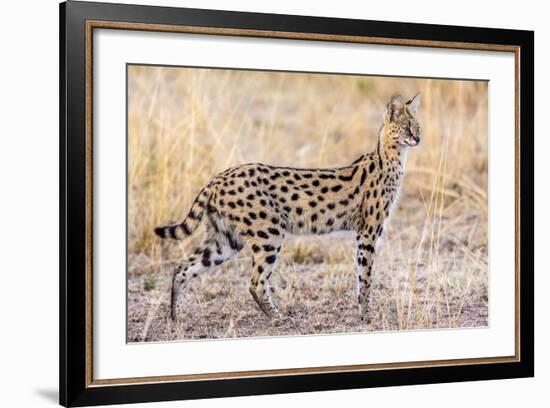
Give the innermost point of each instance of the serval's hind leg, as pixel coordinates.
(264, 258)
(210, 253)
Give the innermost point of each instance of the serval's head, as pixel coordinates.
(400, 124)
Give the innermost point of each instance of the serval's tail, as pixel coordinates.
(191, 222)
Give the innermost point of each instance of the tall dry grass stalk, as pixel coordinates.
(185, 125)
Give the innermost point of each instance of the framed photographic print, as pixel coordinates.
(256, 203)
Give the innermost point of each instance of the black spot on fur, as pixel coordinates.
(273, 231)
(232, 242)
(363, 177)
(271, 259)
(350, 177)
(185, 228)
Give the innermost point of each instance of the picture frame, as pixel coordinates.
(78, 23)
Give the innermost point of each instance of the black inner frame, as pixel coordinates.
(73, 390)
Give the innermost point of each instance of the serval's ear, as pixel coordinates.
(413, 104)
(394, 108)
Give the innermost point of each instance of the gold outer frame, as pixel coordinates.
(100, 24)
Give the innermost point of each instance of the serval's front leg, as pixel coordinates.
(366, 242)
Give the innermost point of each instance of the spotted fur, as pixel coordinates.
(257, 205)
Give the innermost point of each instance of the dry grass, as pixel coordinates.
(186, 125)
